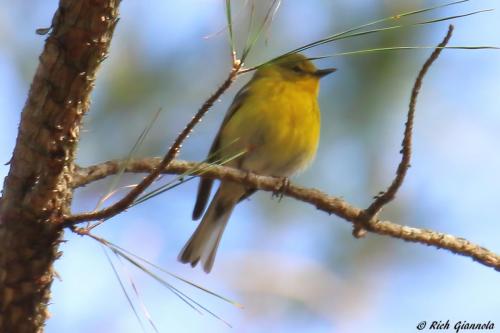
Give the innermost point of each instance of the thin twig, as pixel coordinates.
(321, 200)
(128, 199)
(384, 198)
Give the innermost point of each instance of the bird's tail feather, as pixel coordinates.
(203, 244)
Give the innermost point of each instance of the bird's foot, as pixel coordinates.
(280, 191)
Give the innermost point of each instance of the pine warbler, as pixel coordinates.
(275, 120)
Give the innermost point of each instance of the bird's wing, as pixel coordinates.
(205, 185)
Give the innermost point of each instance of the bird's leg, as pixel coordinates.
(247, 176)
(280, 191)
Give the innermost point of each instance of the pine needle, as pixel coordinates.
(396, 48)
(114, 183)
(225, 299)
(230, 26)
(129, 256)
(271, 13)
(145, 311)
(181, 179)
(124, 290)
(358, 30)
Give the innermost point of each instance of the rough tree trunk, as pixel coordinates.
(37, 192)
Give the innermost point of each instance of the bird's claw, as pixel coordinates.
(280, 192)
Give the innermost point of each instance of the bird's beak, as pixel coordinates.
(324, 72)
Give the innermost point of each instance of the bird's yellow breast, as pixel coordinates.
(278, 125)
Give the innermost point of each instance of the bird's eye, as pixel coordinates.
(297, 69)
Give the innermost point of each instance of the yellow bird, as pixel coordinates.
(275, 120)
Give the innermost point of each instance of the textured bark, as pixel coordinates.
(37, 191)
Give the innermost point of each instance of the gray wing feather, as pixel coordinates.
(205, 185)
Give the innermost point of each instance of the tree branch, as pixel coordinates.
(362, 219)
(389, 195)
(37, 190)
(383, 198)
(321, 200)
(128, 199)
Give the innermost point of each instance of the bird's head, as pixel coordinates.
(295, 68)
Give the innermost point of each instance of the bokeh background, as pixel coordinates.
(295, 269)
